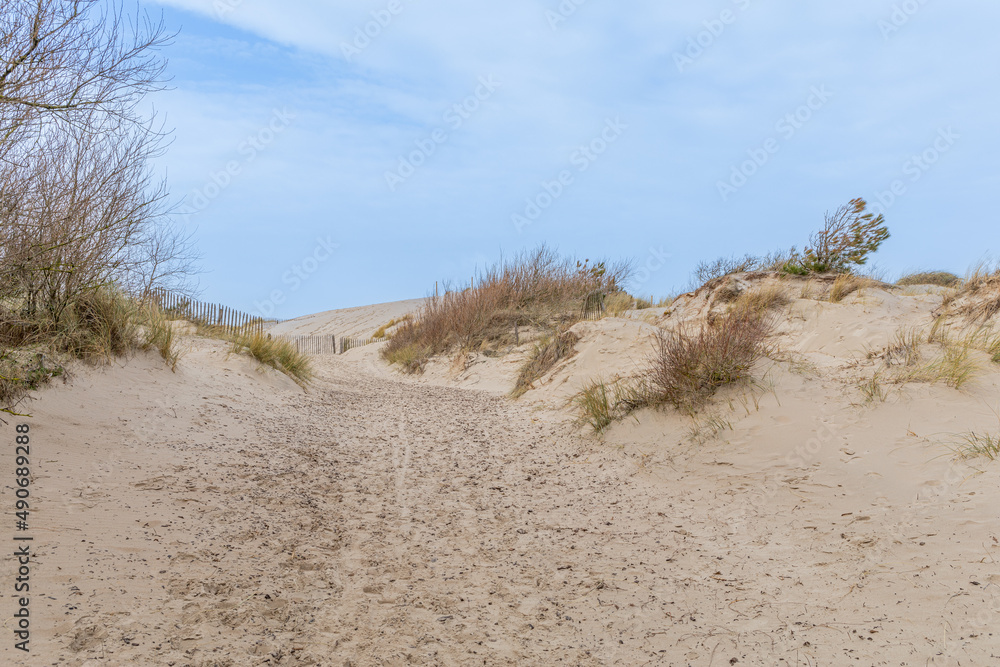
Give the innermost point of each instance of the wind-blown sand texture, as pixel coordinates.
(222, 516)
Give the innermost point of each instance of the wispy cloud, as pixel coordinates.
(358, 112)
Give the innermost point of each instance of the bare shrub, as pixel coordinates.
(724, 266)
(83, 226)
(688, 368)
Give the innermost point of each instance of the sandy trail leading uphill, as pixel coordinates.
(223, 517)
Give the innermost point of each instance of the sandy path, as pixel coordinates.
(375, 521)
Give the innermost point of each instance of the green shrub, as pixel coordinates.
(848, 236)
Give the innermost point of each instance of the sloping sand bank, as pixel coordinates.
(222, 516)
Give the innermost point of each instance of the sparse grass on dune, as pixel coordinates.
(597, 406)
(760, 300)
(277, 353)
(686, 369)
(411, 357)
(383, 330)
(98, 326)
(981, 292)
(547, 353)
(847, 284)
(955, 362)
(158, 334)
(537, 290)
(939, 278)
(976, 444)
(603, 402)
(873, 388)
(955, 367)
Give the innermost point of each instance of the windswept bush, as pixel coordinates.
(537, 290)
(848, 236)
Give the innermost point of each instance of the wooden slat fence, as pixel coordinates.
(313, 344)
(209, 314)
(593, 306)
(351, 343)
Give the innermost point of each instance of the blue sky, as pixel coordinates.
(322, 167)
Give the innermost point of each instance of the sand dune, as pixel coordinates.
(223, 516)
(360, 322)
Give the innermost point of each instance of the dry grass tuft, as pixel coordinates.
(873, 388)
(940, 278)
(158, 334)
(602, 403)
(759, 301)
(616, 304)
(383, 331)
(547, 353)
(411, 357)
(847, 284)
(978, 299)
(278, 353)
(537, 290)
(975, 444)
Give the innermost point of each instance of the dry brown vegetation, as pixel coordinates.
(536, 290)
(547, 353)
(690, 366)
(980, 294)
(84, 235)
(686, 368)
(939, 278)
(847, 284)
